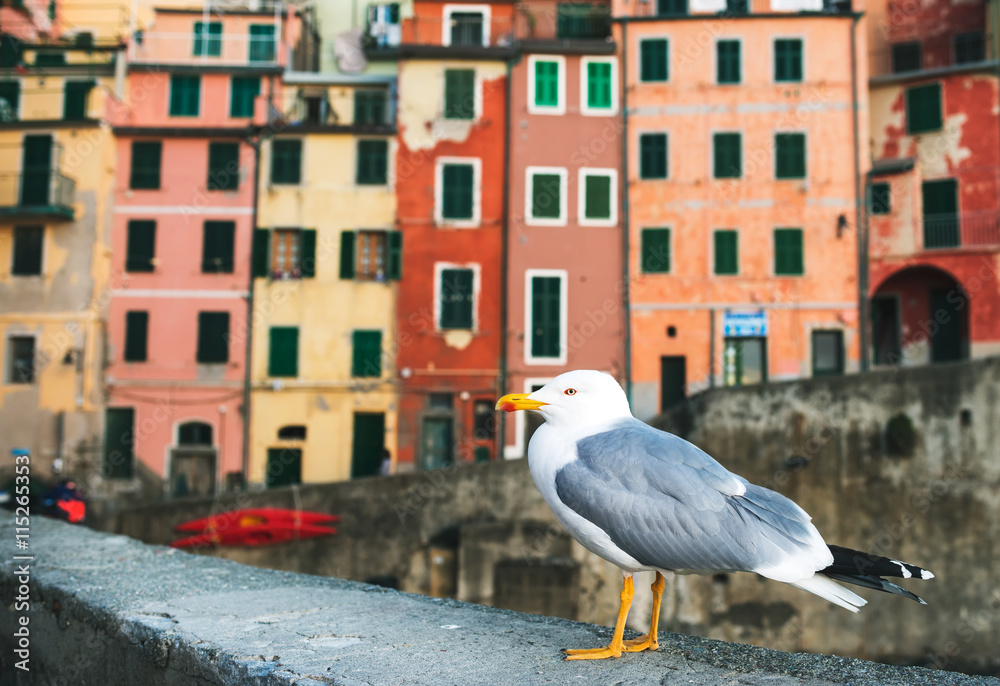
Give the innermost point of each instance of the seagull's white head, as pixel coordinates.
(578, 398)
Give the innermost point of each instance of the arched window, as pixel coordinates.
(293, 432)
(195, 433)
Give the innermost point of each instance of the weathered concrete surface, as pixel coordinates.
(109, 610)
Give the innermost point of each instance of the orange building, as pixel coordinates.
(744, 172)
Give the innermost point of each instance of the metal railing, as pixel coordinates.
(40, 191)
(189, 48)
(961, 230)
(904, 56)
(330, 106)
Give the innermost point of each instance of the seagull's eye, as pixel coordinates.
(570, 391)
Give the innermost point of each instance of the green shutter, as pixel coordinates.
(597, 197)
(923, 108)
(245, 90)
(728, 155)
(459, 93)
(788, 59)
(879, 198)
(546, 196)
(283, 352)
(546, 316)
(185, 95)
(119, 443)
(727, 62)
(599, 93)
(286, 161)
(373, 162)
(369, 107)
(940, 216)
(653, 60)
(457, 298)
(394, 259)
(366, 360)
(347, 258)
(726, 252)
(207, 39)
(27, 249)
(307, 259)
(145, 172)
(790, 155)
(217, 247)
(655, 249)
(653, 156)
(223, 166)
(546, 84)
(457, 191)
(261, 253)
(136, 336)
(213, 337)
(140, 246)
(75, 100)
(788, 255)
(261, 43)
(10, 91)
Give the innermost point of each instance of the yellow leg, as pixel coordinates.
(648, 642)
(614, 649)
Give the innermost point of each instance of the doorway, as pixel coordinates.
(368, 444)
(436, 444)
(673, 380)
(36, 169)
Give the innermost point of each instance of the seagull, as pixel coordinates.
(647, 500)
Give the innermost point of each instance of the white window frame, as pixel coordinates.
(439, 267)
(560, 107)
(477, 192)
(638, 59)
(518, 449)
(477, 95)
(585, 109)
(529, 185)
(9, 354)
(448, 10)
(774, 157)
(581, 195)
(563, 275)
(774, 55)
(715, 61)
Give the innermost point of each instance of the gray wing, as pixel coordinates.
(671, 506)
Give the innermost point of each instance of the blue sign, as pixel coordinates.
(736, 324)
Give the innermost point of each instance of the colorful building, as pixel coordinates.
(744, 170)
(934, 190)
(565, 241)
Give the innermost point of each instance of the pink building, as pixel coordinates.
(181, 240)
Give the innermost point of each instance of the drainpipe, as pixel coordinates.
(249, 327)
(625, 218)
(861, 216)
(501, 436)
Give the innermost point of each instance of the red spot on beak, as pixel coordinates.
(508, 407)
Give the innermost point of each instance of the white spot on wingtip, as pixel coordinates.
(924, 574)
(902, 566)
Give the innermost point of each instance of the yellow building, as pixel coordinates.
(326, 259)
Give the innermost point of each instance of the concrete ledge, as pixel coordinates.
(110, 610)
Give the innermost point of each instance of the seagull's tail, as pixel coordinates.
(835, 593)
(866, 570)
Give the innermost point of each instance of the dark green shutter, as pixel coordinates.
(217, 247)
(655, 249)
(261, 253)
(75, 100)
(283, 353)
(790, 155)
(727, 62)
(546, 196)
(788, 59)
(923, 108)
(207, 39)
(597, 200)
(369, 108)
(599, 85)
(11, 92)
(366, 360)
(119, 442)
(213, 337)
(788, 255)
(726, 252)
(347, 259)
(140, 246)
(284, 467)
(459, 93)
(728, 162)
(261, 43)
(456, 298)
(307, 259)
(185, 95)
(546, 308)
(457, 192)
(940, 216)
(373, 160)
(394, 259)
(653, 60)
(146, 158)
(653, 155)
(880, 199)
(546, 84)
(286, 161)
(245, 90)
(223, 166)
(27, 248)
(136, 336)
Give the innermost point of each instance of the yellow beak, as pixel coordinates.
(518, 401)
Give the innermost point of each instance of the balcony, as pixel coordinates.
(903, 58)
(254, 45)
(39, 195)
(324, 109)
(969, 229)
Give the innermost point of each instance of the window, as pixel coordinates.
(790, 155)
(371, 255)
(599, 88)
(207, 39)
(788, 59)
(970, 47)
(459, 93)
(195, 433)
(27, 251)
(286, 161)
(262, 42)
(828, 353)
(283, 352)
(223, 166)
(941, 220)
(292, 432)
(369, 108)
(546, 317)
(582, 20)
(284, 467)
(745, 361)
(21, 359)
(737, 7)
(466, 28)
(185, 95)
(652, 156)
(545, 199)
(788, 258)
(484, 420)
(444, 402)
(366, 360)
(75, 100)
(906, 57)
(726, 252)
(245, 90)
(667, 8)
(140, 245)
(727, 155)
(880, 201)
(546, 85)
(10, 100)
(145, 173)
(598, 197)
(373, 163)
(119, 442)
(923, 108)
(213, 337)
(456, 299)
(456, 189)
(217, 247)
(136, 336)
(50, 58)
(654, 61)
(728, 68)
(286, 253)
(655, 251)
